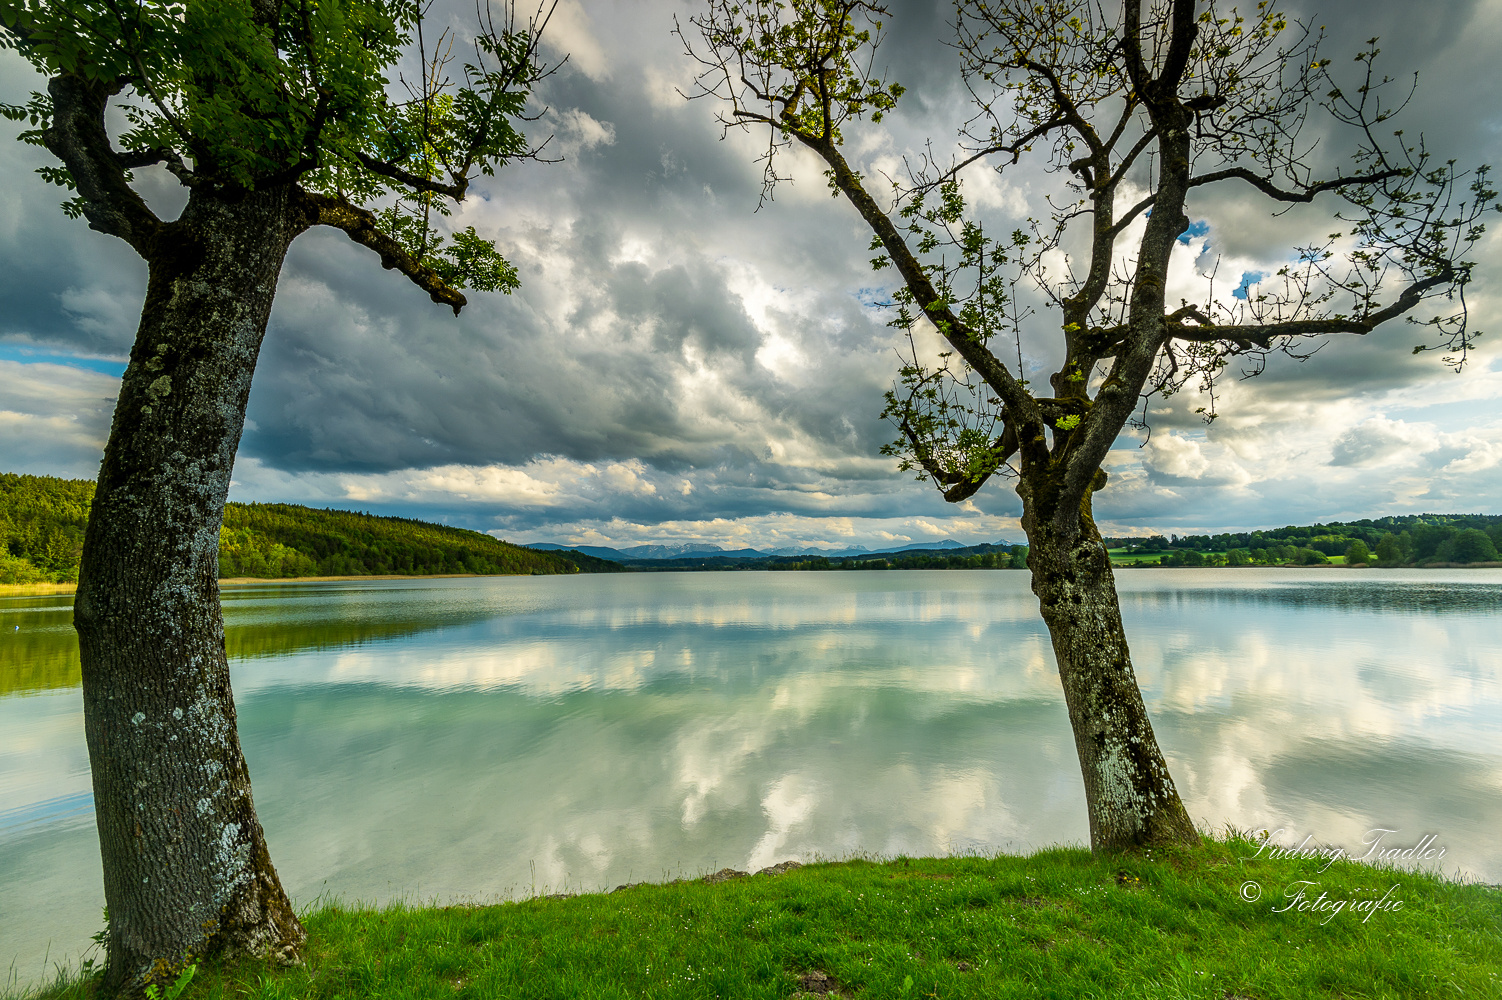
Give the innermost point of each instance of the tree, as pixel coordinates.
(1147, 107)
(1468, 546)
(276, 116)
(1357, 553)
(1390, 550)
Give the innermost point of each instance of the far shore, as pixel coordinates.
(43, 589)
(235, 581)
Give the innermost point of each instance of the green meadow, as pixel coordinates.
(1224, 921)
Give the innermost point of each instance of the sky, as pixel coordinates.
(681, 365)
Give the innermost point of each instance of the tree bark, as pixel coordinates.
(187, 874)
(1129, 794)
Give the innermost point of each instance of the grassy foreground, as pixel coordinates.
(1060, 923)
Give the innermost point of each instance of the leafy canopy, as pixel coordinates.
(249, 94)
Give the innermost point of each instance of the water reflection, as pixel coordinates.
(38, 648)
(473, 738)
(1403, 594)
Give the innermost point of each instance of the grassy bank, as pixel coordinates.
(36, 589)
(1060, 923)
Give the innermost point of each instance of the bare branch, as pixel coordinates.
(1304, 194)
(1263, 335)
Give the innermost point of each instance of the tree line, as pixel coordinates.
(42, 522)
(990, 557)
(983, 556)
(43, 519)
(1405, 540)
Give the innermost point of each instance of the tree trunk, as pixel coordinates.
(1129, 793)
(186, 870)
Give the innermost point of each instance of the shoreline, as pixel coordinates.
(46, 589)
(1220, 917)
(241, 581)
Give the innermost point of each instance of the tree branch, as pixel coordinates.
(1016, 398)
(1014, 149)
(78, 138)
(1182, 35)
(1260, 336)
(417, 182)
(1305, 194)
(360, 226)
(1067, 107)
(962, 485)
(1267, 187)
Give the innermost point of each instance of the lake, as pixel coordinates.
(480, 739)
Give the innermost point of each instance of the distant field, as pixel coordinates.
(1120, 557)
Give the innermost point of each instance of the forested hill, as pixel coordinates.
(42, 521)
(1406, 540)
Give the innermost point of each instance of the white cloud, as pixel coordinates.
(1177, 457)
(577, 132)
(570, 32)
(1172, 457)
(54, 418)
(1378, 439)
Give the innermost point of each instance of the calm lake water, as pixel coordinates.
(486, 738)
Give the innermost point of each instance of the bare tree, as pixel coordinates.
(1149, 103)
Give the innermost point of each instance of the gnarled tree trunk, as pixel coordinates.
(186, 869)
(1129, 794)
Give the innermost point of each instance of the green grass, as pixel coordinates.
(1120, 557)
(1061, 923)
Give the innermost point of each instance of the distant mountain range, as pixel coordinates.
(653, 553)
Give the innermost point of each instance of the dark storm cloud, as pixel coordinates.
(362, 374)
(357, 376)
(65, 286)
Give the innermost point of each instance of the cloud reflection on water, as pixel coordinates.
(474, 738)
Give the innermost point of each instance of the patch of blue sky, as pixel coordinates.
(1248, 279)
(35, 356)
(875, 298)
(1194, 232)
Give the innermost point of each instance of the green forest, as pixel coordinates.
(1408, 540)
(42, 521)
(974, 557)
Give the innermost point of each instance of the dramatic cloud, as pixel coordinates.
(681, 366)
